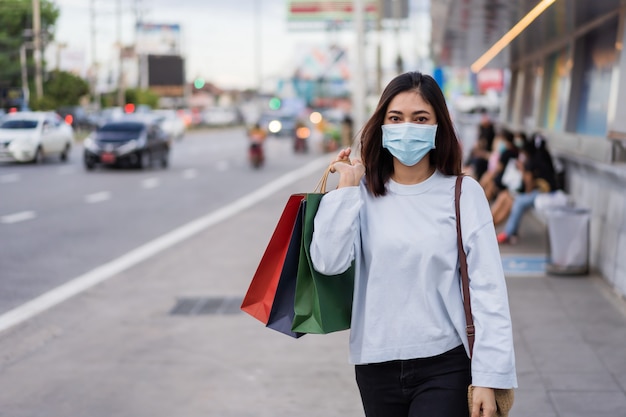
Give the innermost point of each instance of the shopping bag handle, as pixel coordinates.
(321, 185)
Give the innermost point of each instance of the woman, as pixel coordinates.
(394, 215)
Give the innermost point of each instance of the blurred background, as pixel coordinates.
(127, 127)
(122, 83)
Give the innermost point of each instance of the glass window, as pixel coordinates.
(597, 56)
(556, 89)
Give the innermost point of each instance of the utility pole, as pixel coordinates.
(37, 48)
(258, 44)
(120, 75)
(94, 61)
(379, 53)
(359, 92)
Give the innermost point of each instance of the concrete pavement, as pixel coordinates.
(140, 344)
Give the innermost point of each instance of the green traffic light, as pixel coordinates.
(274, 103)
(198, 83)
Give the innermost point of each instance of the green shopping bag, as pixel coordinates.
(323, 303)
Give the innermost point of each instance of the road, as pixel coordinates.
(58, 221)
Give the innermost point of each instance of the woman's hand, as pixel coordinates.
(483, 402)
(350, 171)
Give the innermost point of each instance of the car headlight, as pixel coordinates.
(91, 144)
(275, 126)
(129, 146)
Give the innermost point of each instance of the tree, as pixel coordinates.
(16, 22)
(138, 96)
(61, 89)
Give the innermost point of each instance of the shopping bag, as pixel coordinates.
(323, 303)
(282, 313)
(260, 295)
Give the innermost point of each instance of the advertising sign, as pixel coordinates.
(158, 39)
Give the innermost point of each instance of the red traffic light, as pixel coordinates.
(129, 108)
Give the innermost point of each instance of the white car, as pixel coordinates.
(31, 136)
(171, 123)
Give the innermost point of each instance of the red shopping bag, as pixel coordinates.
(260, 296)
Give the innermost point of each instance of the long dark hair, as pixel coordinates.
(446, 156)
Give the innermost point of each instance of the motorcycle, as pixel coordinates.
(301, 137)
(256, 154)
(255, 150)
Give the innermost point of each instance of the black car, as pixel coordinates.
(131, 142)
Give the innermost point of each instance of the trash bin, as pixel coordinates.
(568, 237)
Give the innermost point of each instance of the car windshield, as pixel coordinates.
(129, 127)
(119, 132)
(18, 124)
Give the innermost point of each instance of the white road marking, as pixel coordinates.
(7, 178)
(97, 197)
(18, 217)
(189, 174)
(150, 183)
(79, 284)
(222, 166)
(67, 170)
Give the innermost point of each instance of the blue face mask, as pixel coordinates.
(409, 142)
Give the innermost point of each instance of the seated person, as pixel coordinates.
(538, 176)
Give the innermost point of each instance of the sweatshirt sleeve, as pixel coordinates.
(493, 361)
(335, 230)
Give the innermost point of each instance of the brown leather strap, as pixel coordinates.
(469, 328)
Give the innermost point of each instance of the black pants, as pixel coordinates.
(425, 387)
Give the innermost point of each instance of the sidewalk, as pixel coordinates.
(119, 349)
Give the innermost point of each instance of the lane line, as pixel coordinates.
(7, 178)
(18, 217)
(101, 273)
(190, 173)
(149, 183)
(97, 197)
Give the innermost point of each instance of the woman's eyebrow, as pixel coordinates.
(414, 113)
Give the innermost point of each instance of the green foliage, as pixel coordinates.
(16, 17)
(61, 89)
(138, 96)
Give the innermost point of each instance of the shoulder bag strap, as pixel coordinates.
(469, 328)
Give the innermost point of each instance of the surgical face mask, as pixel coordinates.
(409, 142)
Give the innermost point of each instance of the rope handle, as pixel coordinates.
(321, 185)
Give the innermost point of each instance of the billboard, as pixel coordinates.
(342, 11)
(158, 39)
(327, 10)
(166, 74)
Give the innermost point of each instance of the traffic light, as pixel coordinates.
(129, 108)
(198, 83)
(275, 103)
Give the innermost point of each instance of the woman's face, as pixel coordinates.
(410, 107)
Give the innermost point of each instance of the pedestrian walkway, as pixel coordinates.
(570, 338)
(166, 338)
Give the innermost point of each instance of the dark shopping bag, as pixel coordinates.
(282, 314)
(260, 295)
(323, 303)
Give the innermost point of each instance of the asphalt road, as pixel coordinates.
(58, 221)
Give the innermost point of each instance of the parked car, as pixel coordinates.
(78, 117)
(279, 124)
(129, 141)
(221, 116)
(31, 136)
(172, 124)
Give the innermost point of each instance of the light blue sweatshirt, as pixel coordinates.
(407, 299)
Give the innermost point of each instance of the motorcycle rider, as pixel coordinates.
(257, 136)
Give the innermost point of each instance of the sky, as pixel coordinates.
(220, 39)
